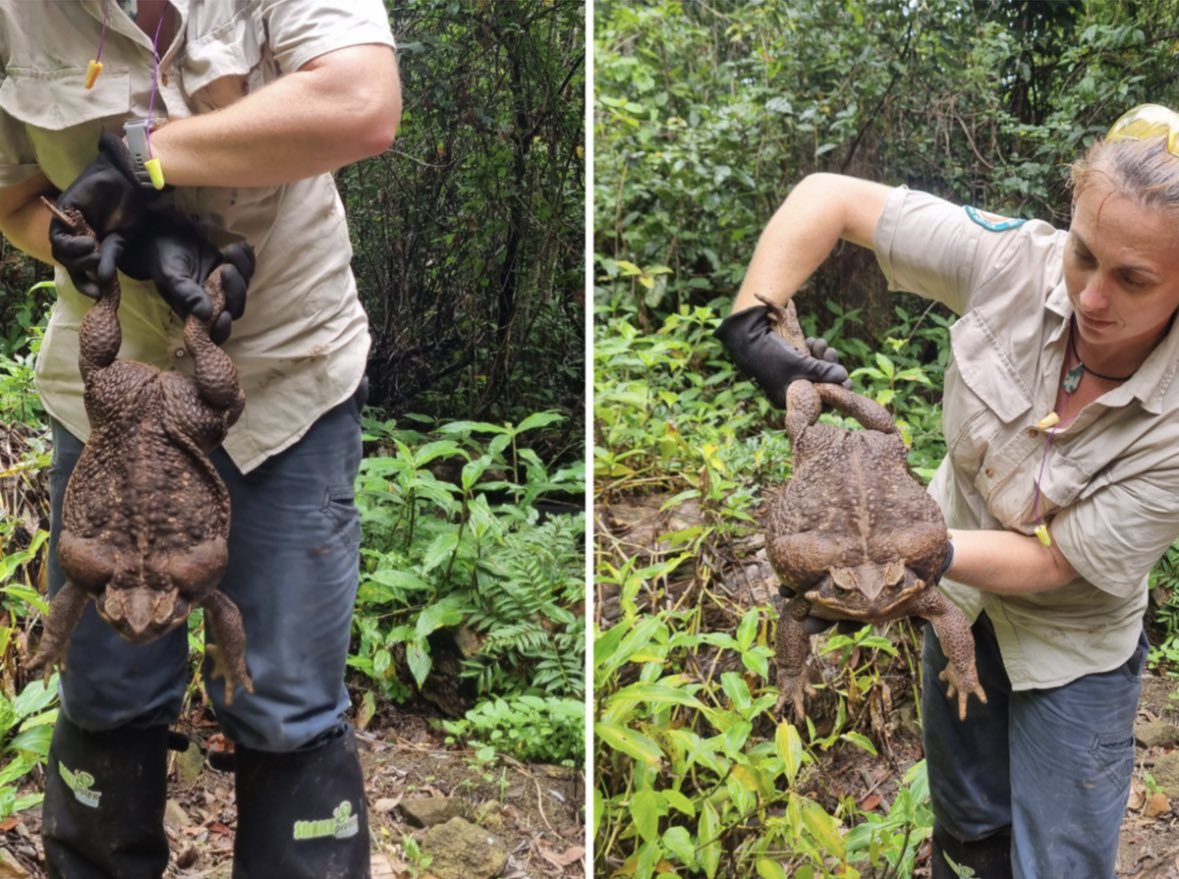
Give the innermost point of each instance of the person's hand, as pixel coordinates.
(172, 253)
(113, 202)
(772, 362)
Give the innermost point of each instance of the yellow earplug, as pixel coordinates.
(1049, 420)
(155, 172)
(93, 68)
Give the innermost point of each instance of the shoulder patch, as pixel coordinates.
(993, 222)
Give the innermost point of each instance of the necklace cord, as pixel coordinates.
(1072, 347)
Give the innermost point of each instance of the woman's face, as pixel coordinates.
(1121, 267)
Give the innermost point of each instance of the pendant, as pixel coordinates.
(1072, 378)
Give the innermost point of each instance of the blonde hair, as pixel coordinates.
(1141, 169)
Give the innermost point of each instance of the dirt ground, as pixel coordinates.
(536, 811)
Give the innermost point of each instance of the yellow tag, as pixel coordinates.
(1049, 420)
(155, 172)
(1042, 533)
(93, 68)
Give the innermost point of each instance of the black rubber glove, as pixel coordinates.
(771, 362)
(171, 252)
(113, 203)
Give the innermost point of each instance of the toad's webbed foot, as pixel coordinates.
(792, 688)
(961, 682)
(228, 654)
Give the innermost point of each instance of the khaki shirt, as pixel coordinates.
(1110, 483)
(302, 344)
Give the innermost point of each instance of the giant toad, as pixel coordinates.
(145, 519)
(853, 536)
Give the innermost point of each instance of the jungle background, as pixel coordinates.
(467, 670)
(705, 115)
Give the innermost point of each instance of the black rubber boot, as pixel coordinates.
(103, 815)
(989, 858)
(302, 815)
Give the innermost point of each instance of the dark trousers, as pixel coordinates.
(1053, 765)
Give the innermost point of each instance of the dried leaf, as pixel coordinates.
(1157, 804)
(870, 802)
(571, 855)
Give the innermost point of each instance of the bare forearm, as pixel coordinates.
(820, 211)
(335, 110)
(24, 220)
(1008, 563)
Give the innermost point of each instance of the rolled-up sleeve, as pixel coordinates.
(301, 31)
(1114, 536)
(932, 247)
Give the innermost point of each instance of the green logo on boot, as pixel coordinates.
(341, 825)
(80, 783)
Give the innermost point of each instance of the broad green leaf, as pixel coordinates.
(35, 697)
(417, 656)
(646, 861)
(440, 550)
(465, 428)
(679, 802)
(33, 741)
(644, 809)
(448, 611)
(860, 740)
(708, 843)
(747, 630)
(789, 747)
(630, 742)
(768, 869)
(473, 470)
(679, 842)
(538, 419)
(737, 690)
(823, 827)
(437, 449)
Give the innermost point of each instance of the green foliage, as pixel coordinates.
(26, 725)
(25, 716)
(468, 235)
(1164, 590)
(469, 552)
(707, 114)
(529, 728)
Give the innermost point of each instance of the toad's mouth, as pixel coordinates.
(140, 614)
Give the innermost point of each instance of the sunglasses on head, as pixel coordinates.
(1147, 121)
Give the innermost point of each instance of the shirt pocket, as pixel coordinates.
(49, 102)
(985, 396)
(224, 63)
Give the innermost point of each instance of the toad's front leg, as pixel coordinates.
(228, 654)
(215, 374)
(792, 648)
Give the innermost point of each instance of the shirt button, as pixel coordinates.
(1032, 431)
(179, 352)
(990, 472)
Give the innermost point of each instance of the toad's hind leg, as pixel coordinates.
(65, 612)
(953, 633)
(228, 654)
